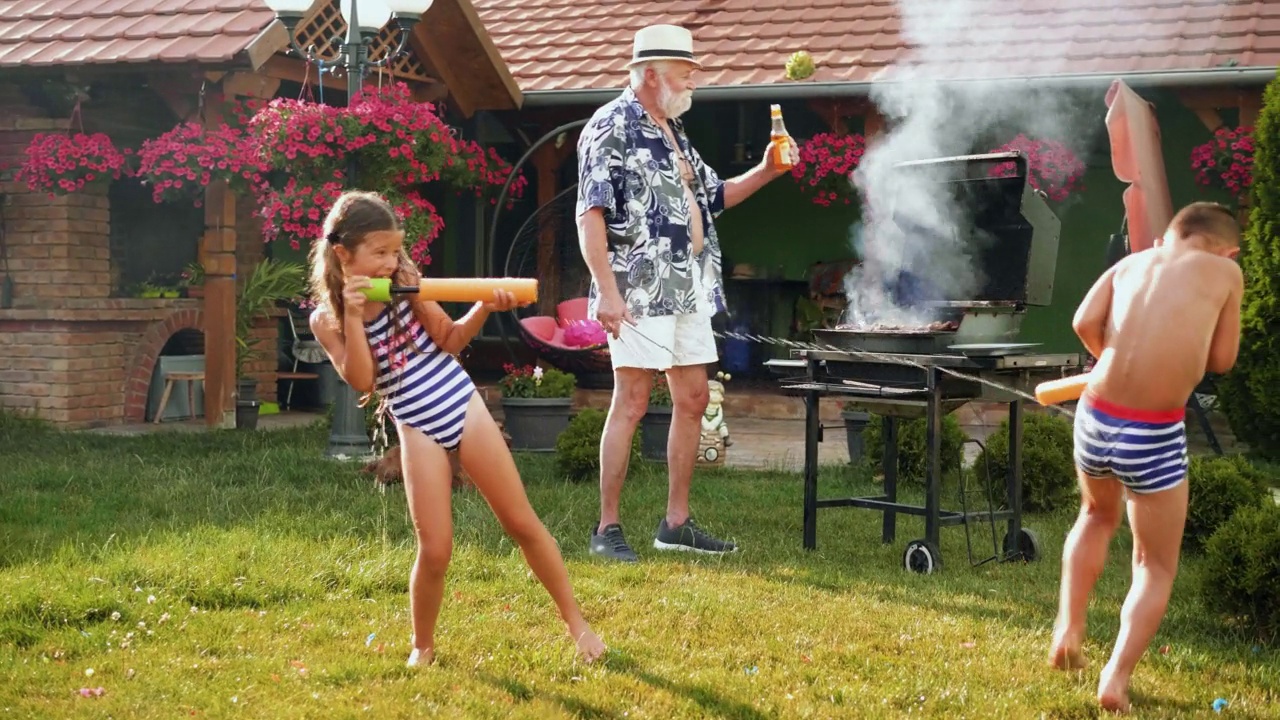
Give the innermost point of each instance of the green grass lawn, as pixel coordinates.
(243, 575)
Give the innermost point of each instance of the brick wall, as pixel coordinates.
(69, 352)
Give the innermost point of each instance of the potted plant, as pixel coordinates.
(269, 282)
(656, 423)
(537, 405)
(855, 422)
(193, 280)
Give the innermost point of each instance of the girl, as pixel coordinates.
(405, 350)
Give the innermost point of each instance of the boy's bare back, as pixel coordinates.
(1173, 315)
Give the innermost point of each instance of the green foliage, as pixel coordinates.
(911, 447)
(1241, 578)
(269, 282)
(1250, 393)
(1219, 487)
(537, 382)
(1048, 468)
(660, 392)
(578, 447)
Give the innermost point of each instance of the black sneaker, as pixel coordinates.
(611, 544)
(690, 538)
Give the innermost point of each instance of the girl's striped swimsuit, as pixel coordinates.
(424, 386)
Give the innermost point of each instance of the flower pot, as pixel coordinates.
(247, 390)
(855, 422)
(535, 423)
(247, 415)
(654, 428)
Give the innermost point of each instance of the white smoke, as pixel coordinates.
(928, 117)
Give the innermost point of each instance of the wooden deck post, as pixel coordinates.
(218, 256)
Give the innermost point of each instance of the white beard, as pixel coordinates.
(674, 104)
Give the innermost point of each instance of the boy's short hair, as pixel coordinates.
(1212, 220)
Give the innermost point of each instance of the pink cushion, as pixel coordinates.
(544, 330)
(571, 310)
(541, 327)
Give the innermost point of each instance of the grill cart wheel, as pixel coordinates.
(922, 556)
(1026, 545)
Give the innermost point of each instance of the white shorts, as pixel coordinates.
(664, 341)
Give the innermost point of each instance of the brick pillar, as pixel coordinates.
(59, 247)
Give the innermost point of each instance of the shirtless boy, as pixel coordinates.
(1157, 321)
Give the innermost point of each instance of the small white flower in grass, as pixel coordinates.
(115, 615)
(88, 672)
(151, 599)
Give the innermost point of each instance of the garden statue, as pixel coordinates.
(715, 433)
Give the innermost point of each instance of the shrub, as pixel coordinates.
(1241, 578)
(1219, 486)
(1048, 467)
(911, 447)
(578, 447)
(1250, 393)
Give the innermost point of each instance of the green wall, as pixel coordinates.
(779, 231)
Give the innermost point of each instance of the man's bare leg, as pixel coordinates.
(1083, 556)
(630, 401)
(689, 396)
(1157, 520)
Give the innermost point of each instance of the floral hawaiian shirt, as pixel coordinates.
(626, 166)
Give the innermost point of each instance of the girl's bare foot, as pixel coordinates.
(1066, 653)
(590, 646)
(421, 657)
(1113, 691)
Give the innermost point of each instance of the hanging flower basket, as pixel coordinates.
(1226, 161)
(61, 163)
(397, 144)
(1051, 167)
(293, 157)
(181, 163)
(826, 163)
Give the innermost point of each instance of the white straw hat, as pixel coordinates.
(663, 42)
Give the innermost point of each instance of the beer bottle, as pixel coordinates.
(781, 140)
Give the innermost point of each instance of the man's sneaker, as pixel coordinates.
(689, 537)
(611, 544)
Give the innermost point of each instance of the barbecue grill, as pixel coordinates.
(971, 355)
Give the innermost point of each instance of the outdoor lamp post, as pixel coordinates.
(348, 435)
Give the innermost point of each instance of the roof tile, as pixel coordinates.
(63, 32)
(748, 41)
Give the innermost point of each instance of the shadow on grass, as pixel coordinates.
(521, 693)
(704, 695)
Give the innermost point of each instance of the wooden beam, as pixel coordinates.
(1250, 106)
(250, 85)
(873, 123)
(181, 93)
(454, 41)
(218, 257)
(1210, 98)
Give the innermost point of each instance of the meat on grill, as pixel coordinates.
(940, 326)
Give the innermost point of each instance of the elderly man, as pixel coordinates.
(646, 201)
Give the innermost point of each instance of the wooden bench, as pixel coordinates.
(293, 377)
(191, 378)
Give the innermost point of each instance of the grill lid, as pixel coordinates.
(1011, 231)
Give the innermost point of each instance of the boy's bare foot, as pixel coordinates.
(590, 646)
(421, 657)
(1066, 653)
(1113, 691)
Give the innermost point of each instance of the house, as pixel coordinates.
(1201, 65)
(77, 346)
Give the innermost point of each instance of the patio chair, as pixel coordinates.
(304, 349)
